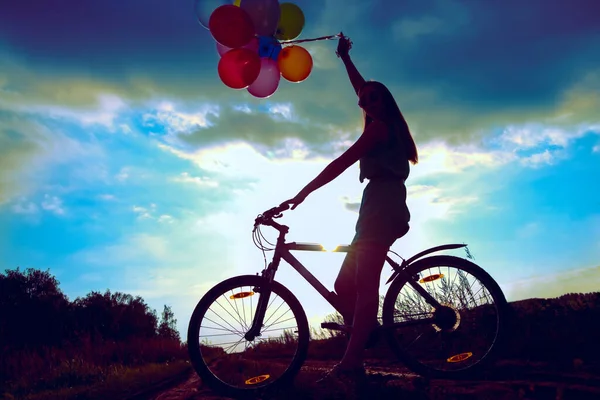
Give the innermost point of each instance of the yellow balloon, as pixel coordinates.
(295, 63)
(237, 2)
(291, 22)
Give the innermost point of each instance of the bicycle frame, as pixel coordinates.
(283, 251)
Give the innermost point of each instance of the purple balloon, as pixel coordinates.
(264, 14)
(268, 79)
(252, 45)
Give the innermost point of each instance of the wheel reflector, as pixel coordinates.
(257, 379)
(460, 357)
(431, 278)
(241, 295)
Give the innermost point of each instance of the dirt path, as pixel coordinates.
(396, 382)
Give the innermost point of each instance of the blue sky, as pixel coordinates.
(125, 163)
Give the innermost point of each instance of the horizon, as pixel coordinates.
(126, 164)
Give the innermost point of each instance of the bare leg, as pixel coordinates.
(345, 287)
(369, 263)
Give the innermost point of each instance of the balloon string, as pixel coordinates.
(337, 35)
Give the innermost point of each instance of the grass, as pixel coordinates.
(90, 370)
(119, 383)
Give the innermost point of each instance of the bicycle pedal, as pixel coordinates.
(335, 326)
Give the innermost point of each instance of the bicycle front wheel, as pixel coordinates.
(232, 365)
(458, 337)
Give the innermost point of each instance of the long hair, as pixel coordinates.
(396, 118)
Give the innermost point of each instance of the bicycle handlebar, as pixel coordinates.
(266, 217)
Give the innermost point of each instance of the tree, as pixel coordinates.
(33, 310)
(115, 316)
(167, 328)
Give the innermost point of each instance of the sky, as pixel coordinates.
(126, 164)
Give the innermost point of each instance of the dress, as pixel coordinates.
(383, 215)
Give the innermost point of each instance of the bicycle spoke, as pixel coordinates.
(244, 311)
(414, 315)
(217, 334)
(267, 321)
(235, 345)
(218, 329)
(224, 309)
(280, 322)
(241, 319)
(279, 329)
(216, 323)
(415, 340)
(238, 312)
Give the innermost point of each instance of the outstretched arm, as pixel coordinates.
(343, 51)
(374, 134)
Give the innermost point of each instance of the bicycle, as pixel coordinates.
(431, 328)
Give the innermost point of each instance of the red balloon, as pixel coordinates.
(252, 45)
(231, 26)
(239, 68)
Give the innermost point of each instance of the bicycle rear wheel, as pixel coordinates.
(225, 360)
(460, 337)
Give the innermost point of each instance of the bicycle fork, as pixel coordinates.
(264, 291)
(261, 309)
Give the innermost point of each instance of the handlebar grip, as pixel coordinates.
(282, 207)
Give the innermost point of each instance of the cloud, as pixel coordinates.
(29, 150)
(177, 121)
(534, 135)
(107, 197)
(583, 280)
(185, 177)
(123, 174)
(442, 158)
(25, 208)
(145, 212)
(413, 28)
(269, 127)
(166, 219)
(528, 231)
(14, 156)
(489, 76)
(53, 205)
(351, 204)
(174, 262)
(539, 159)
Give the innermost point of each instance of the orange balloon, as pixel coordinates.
(295, 63)
(239, 68)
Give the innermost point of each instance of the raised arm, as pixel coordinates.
(343, 51)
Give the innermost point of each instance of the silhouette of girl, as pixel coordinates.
(383, 150)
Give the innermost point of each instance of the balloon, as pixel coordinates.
(291, 22)
(204, 8)
(252, 45)
(269, 47)
(237, 3)
(231, 26)
(268, 79)
(295, 63)
(239, 68)
(264, 14)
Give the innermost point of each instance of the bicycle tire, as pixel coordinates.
(486, 281)
(251, 390)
